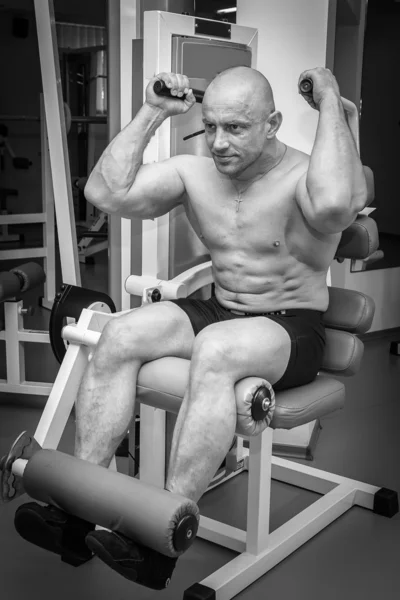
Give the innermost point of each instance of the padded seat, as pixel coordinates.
(162, 384)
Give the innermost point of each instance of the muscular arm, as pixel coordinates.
(120, 184)
(333, 190)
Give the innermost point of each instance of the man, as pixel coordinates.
(271, 218)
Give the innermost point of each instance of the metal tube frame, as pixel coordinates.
(15, 336)
(57, 139)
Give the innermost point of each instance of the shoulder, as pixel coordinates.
(187, 164)
(298, 161)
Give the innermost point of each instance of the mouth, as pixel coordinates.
(222, 158)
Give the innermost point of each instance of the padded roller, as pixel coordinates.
(20, 279)
(31, 275)
(149, 515)
(10, 285)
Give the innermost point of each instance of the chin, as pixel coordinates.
(231, 170)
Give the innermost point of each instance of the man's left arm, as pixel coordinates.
(334, 189)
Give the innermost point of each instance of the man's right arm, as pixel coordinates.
(119, 183)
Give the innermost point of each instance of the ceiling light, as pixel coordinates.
(225, 11)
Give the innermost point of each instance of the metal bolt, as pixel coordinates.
(266, 404)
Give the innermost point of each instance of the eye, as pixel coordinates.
(234, 127)
(209, 127)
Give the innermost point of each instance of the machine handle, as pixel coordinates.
(306, 87)
(161, 89)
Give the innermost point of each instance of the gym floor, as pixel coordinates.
(355, 557)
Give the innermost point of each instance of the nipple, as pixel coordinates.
(276, 243)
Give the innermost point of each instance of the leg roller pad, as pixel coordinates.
(199, 592)
(386, 503)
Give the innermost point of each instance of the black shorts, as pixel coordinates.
(304, 326)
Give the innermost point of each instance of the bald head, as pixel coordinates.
(240, 121)
(241, 86)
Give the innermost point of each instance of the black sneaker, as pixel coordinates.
(54, 530)
(131, 560)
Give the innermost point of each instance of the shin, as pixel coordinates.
(106, 397)
(205, 426)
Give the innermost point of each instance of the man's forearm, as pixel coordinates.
(335, 175)
(115, 172)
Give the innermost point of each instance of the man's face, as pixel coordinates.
(235, 134)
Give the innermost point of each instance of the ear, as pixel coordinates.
(274, 122)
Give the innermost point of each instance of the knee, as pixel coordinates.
(119, 342)
(212, 353)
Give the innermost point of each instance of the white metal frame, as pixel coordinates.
(15, 336)
(259, 550)
(57, 140)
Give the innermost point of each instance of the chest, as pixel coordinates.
(257, 217)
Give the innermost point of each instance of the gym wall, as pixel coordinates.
(292, 36)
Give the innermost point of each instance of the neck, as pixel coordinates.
(265, 163)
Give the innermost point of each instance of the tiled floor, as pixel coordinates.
(357, 557)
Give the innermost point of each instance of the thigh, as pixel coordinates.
(150, 332)
(253, 346)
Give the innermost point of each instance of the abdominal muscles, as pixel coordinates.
(261, 283)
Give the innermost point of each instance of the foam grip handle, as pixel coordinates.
(255, 405)
(161, 89)
(30, 274)
(149, 515)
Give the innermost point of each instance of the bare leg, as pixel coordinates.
(198, 450)
(106, 399)
(223, 354)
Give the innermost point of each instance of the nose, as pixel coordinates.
(220, 142)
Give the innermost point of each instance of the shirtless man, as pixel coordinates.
(271, 218)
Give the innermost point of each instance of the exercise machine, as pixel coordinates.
(114, 500)
(13, 285)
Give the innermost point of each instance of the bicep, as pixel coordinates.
(157, 189)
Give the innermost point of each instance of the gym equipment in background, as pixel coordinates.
(68, 305)
(94, 239)
(13, 285)
(46, 250)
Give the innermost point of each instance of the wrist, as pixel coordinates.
(155, 113)
(331, 99)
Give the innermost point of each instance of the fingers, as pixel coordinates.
(190, 98)
(178, 84)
